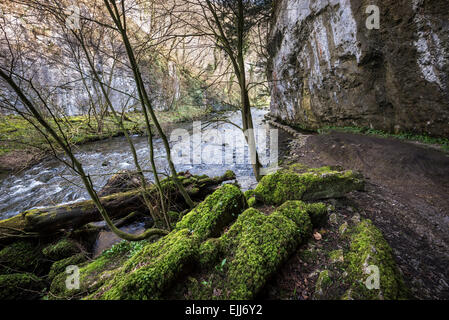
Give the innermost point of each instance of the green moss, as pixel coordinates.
(251, 251)
(20, 286)
(323, 282)
(153, 269)
(92, 274)
(316, 211)
(229, 175)
(252, 202)
(368, 247)
(209, 252)
(212, 215)
(336, 256)
(279, 187)
(61, 265)
(315, 184)
(248, 194)
(298, 213)
(250, 198)
(255, 246)
(20, 256)
(238, 264)
(62, 249)
(299, 167)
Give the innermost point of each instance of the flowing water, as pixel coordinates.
(50, 182)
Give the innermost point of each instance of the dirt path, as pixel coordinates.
(407, 197)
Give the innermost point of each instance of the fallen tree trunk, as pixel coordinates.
(47, 221)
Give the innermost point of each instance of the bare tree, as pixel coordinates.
(27, 100)
(118, 15)
(233, 26)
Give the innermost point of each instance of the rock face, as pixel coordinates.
(328, 69)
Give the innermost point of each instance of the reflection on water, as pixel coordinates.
(106, 239)
(51, 183)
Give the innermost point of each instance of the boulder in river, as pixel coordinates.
(120, 182)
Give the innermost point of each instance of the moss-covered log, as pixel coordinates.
(20, 286)
(62, 249)
(216, 212)
(153, 268)
(38, 222)
(238, 264)
(92, 274)
(21, 256)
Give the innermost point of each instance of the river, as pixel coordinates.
(51, 182)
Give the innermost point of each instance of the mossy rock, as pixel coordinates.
(20, 286)
(248, 194)
(323, 282)
(318, 213)
(21, 256)
(252, 202)
(62, 249)
(239, 263)
(256, 245)
(298, 210)
(92, 274)
(216, 212)
(61, 265)
(149, 272)
(369, 248)
(209, 252)
(229, 175)
(322, 183)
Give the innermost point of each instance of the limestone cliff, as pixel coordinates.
(328, 69)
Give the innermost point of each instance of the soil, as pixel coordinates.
(406, 197)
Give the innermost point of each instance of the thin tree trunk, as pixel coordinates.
(114, 13)
(76, 165)
(123, 129)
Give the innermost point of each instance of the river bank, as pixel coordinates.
(22, 147)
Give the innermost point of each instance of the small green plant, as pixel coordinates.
(129, 247)
(221, 265)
